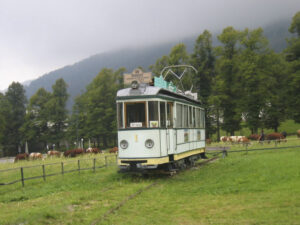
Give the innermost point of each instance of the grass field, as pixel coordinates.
(253, 188)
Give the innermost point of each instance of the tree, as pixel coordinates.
(58, 113)
(3, 114)
(16, 100)
(275, 106)
(177, 56)
(252, 77)
(203, 59)
(35, 128)
(293, 58)
(78, 122)
(101, 112)
(227, 85)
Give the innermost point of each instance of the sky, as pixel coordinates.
(37, 37)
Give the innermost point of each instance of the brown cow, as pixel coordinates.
(53, 153)
(254, 137)
(244, 141)
(208, 141)
(298, 133)
(35, 155)
(23, 156)
(93, 150)
(74, 152)
(114, 150)
(275, 136)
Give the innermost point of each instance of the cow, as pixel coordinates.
(35, 155)
(224, 138)
(114, 150)
(254, 137)
(208, 141)
(74, 152)
(93, 150)
(244, 141)
(298, 133)
(275, 136)
(53, 153)
(23, 156)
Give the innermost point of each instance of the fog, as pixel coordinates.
(40, 36)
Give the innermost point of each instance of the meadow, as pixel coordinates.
(259, 187)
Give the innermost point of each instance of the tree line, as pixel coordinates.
(241, 83)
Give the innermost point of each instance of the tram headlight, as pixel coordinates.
(124, 144)
(149, 143)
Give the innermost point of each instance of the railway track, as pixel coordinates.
(128, 198)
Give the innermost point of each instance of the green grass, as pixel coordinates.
(253, 188)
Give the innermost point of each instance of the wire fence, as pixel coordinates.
(41, 171)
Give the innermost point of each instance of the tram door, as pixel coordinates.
(170, 128)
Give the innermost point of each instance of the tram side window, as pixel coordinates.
(190, 117)
(185, 116)
(179, 115)
(153, 113)
(197, 118)
(194, 117)
(135, 114)
(170, 114)
(120, 115)
(162, 108)
(202, 119)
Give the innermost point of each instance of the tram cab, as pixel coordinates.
(158, 128)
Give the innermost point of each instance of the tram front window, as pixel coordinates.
(135, 114)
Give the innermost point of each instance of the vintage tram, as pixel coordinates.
(158, 128)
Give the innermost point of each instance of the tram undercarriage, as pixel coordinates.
(140, 166)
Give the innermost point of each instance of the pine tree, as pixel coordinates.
(293, 58)
(58, 113)
(16, 100)
(203, 59)
(35, 128)
(227, 86)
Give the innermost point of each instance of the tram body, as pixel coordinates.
(158, 128)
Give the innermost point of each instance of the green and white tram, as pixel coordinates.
(158, 128)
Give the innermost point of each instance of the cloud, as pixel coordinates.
(39, 36)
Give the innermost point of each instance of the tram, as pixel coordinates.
(158, 127)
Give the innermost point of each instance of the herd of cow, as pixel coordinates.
(68, 153)
(255, 137)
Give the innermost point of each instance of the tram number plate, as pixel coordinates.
(136, 124)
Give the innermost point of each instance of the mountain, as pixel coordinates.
(80, 74)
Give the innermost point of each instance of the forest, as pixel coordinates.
(241, 83)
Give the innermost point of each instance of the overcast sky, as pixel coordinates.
(38, 36)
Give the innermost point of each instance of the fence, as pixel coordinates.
(59, 168)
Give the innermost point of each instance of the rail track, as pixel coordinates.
(132, 196)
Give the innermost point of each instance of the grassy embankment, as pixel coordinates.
(253, 188)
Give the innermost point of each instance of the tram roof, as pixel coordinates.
(151, 91)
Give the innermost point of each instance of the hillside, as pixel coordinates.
(80, 74)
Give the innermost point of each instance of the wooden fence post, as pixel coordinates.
(79, 165)
(44, 175)
(106, 164)
(94, 165)
(22, 177)
(62, 168)
(224, 153)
